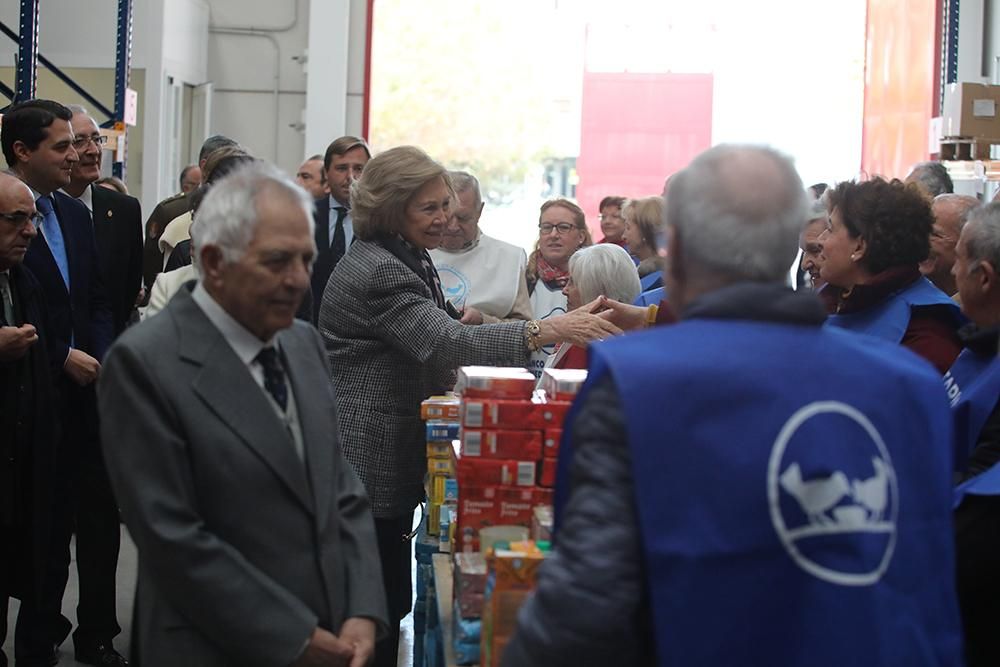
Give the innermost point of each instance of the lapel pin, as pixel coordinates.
(109, 214)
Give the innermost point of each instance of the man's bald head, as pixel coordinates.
(735, 214)
(950, 214)
(17, 224)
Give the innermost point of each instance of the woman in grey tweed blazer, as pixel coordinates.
(393, 341)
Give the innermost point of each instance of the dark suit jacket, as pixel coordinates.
(82, 314)
(29, 429)
(165, 211)
(243, 548)
(325, 263)
(118, 230)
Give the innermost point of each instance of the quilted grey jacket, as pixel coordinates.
(391, 347)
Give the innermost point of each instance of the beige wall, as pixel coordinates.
(99, 82)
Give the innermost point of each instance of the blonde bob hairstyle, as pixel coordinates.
(390, 180)
(647, 214)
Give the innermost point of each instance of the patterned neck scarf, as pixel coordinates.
(430, 273)
(552, 277)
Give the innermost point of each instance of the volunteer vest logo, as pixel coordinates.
(455, 285)
(832, 494)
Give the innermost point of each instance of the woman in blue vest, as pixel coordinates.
(877, 235)
(973, 386)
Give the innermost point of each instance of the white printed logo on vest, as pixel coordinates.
(832, 493)
(455, 285)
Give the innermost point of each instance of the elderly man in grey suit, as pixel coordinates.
(256, 542)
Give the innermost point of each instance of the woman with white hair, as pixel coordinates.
(604, 269)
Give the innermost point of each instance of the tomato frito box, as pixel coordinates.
(562, 384)
(515, 415)
(515, 506)
(477, 509)
(495, 472)
(489, 382)
(550, 443)
(518, 445)
(547, 472)
(445, 408)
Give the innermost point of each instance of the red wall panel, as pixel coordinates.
(900, 84)
(637, 129)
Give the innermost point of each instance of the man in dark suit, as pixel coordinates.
(256, 541)
(117, 220)
(27, 438)
(37, 143)
(343, 163)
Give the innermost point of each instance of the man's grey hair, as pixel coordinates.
(964, 203)
(933, 176)
(214, 143)
(605, 268)
(463, 181)
(228, 216)
(817, 210)
(78, 109)
(982, 235)
(737, 211)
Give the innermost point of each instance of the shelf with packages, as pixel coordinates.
(491, 466)
(973, 170)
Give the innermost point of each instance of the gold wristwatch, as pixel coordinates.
(532, 334)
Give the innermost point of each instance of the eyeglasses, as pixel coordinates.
(20, 219)
(81, 142)
(561, 228)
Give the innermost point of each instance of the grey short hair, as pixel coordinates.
(933, 176)
(228, 215)
(737, 211)
(982, 235)
(78, 109)
(818, 210)
(463, 181)
(605, 268)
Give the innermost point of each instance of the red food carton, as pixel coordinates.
(495, 472)
(477, 509)
(515, 506)
(507, 414)
(544, 496)
(446, 408)
(562, 384)
(547, 475)
(550, 443)
(486, 381)
(494, 444)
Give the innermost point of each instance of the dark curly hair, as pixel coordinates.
(893, 218)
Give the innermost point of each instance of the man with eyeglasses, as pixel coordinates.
(482, 276)
(117, 225)
(37, 142)
(27, 441)
(612, 220)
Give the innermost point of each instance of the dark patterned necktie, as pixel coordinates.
(274, 376)
(339, 244)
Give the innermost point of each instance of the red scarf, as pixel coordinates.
(550, 275)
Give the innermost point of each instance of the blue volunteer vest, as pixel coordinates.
(651, 281)
(973, 387)
(889, 319)
(792, 489)
(653, 296)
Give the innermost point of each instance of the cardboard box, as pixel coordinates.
(515, 506)
(550, 443)
(441, 467)
(446, 408)
(547, 472)
(544, 497)
(442, 431)
(440, 450)
(971, 110)
(495, 472)
(477, 509)
(490, 382)
(496, 444)
(442, 489)
(541, 523)
(515, 415)
(562, 384)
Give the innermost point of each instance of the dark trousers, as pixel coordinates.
(395, 551)
(86, 506)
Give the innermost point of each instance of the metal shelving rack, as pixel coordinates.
(29, 58)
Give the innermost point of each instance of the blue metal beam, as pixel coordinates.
(123, 70)
(951, 43)
(27, 50)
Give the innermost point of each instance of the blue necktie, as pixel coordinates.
(274, 376)
(53, 236)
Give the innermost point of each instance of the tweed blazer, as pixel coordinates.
(390, 347)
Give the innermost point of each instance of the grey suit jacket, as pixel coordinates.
(390, 347)
(243, 548)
